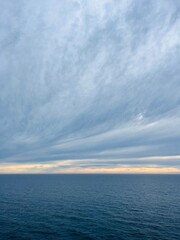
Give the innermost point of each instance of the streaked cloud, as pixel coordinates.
(89, 86)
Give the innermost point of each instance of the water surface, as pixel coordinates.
(126, 207)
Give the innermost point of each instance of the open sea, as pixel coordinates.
(126, 207)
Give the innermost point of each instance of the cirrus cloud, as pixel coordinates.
(95, 82)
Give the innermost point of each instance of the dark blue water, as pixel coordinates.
(90, 207)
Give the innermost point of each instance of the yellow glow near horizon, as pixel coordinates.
(80, 166)
(67, 167)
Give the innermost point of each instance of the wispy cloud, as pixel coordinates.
(89, 82)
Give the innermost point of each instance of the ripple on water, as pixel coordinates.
(89, 207)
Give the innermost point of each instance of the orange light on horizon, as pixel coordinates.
(59, 168)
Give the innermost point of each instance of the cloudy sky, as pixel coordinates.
(89, 86)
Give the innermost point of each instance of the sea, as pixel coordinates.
(89, 206)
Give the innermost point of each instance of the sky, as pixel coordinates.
(90, 86)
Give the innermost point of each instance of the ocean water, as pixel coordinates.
(104, 207)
